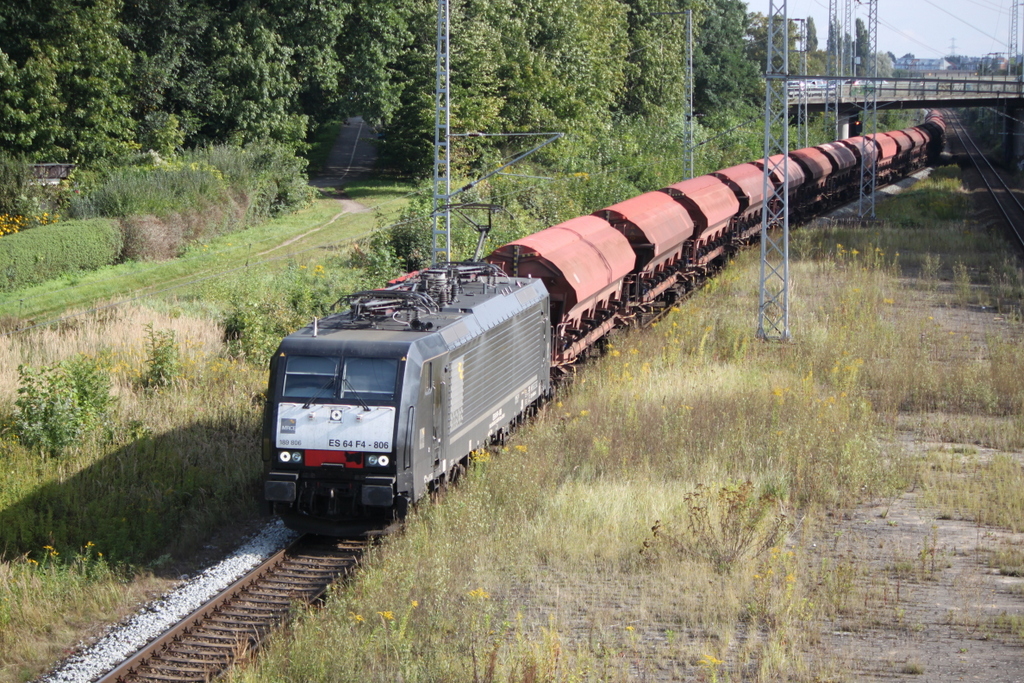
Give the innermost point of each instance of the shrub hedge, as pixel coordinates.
(50, 251)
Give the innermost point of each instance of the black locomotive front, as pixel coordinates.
(331, 430)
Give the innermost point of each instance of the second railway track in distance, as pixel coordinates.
(237, 620)
(1006, 200)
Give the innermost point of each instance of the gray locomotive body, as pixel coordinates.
(370, 409)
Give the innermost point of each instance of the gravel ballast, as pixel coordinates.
(156, 617)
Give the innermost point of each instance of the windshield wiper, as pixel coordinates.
(358, 397)
(319, 392)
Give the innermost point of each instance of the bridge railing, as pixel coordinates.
(852, 89)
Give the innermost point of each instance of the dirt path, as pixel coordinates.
(351, 158)
(927, 605)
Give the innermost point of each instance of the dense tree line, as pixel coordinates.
(82, 80)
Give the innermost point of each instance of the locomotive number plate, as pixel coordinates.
(336, 427)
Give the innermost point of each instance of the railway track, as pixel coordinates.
(1006, 200)
(236, 621)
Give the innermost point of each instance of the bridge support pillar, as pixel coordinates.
(844, 126)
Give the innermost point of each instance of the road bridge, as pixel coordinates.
(934, 92)
(908, 93)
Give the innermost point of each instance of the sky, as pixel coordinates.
(926, 28)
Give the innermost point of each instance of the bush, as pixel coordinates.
(265, 310)
(13, 181)
(165, 204)
(58, 403)
(163, 359)
(50, 251)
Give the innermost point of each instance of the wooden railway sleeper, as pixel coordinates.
(222, 660)
(158, 677)
(218, 642)
(262, 597)
(249, 629)
(307, 574)
(253, 613)
(206, 650)
(155, 668)
(323, 562)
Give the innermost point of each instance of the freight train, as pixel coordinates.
(370, 409)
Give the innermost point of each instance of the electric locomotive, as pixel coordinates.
(369, 409)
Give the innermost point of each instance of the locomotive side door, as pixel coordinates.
(439, 386)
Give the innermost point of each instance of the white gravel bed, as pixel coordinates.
(156, 617)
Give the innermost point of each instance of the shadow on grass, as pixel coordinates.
(370, 189)
(153, 499)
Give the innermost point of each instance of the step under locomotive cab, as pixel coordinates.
(369, 409)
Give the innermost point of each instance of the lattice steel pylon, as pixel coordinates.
(773, 298)
(441, 239)
(833, 67)
(689, 148)
(869, 119)
(1013, 44)
(802, 119)
(850, 48)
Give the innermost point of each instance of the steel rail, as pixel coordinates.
(238, 619)
(965, 138)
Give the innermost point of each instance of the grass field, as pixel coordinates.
(303, 237)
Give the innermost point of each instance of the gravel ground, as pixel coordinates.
(154, 618)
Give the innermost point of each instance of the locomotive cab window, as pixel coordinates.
(310, 377)
(369, 378)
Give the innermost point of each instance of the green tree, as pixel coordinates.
(65, 81)
(93, 68)
(863, 54)
(256, 94)
(725, 75)
(657, 57)
(812, 35)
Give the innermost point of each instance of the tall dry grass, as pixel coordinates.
(659, 521)
(168, 466)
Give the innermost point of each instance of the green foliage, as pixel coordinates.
(269, 174)
(50, 251)
(16, 188)
(724, 76)
(163, 359)
(93, 82)
(66, 81)
(264, 310)
(141, 188)
(58, 404)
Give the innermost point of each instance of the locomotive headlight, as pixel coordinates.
(383, 461)
(290, 456)
(377, 460)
